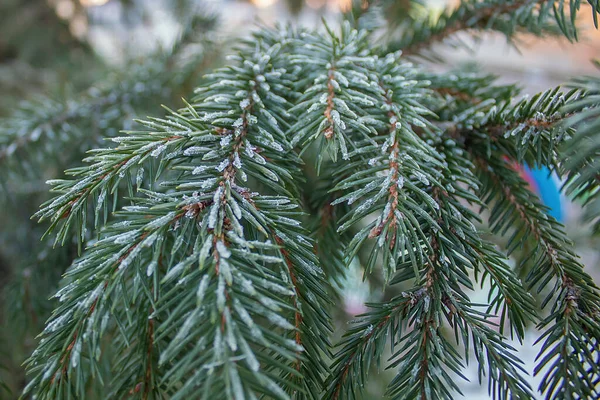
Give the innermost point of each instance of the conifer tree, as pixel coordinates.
(212, 239)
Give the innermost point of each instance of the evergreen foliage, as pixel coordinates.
(212, 239)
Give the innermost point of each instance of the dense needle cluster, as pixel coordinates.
(219, 233)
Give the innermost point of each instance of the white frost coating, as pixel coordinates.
(269, 303)
(81, 184)
(260, 160)
(251, 360)
(236, 383)
(400, 182)
(244, 104)
(126, 237)
(129, 259)
(139, 178)
(182, 280)
(204, 251)
(213, 215)
(256, 97)
(421, 177)
(311, 267)
(288, 221)
(238, 123)
(224, 164)
(63, 293)
(160, 149)
(49, 370)
(247, 286)
(279, 321)
(225, 140)
(230, 337)
(275, 202)
(101, 199)
(187, 325)
(335, 115)
(236, 209)
(208, 183)
(302, 240)
(104, 322)
(149, 241)
(58, 322)
(364, 206)
(225, 270)
(218, 194)
(386, 144)
(151, 268)
(76, 354)
(199, 170)
(92, 296)
(128, 164)
(314, 107)
(194, 150)
(220, 292)
(387, 209)
(176, 270)
(367, 331)
(277, 146)
(201, 292)
(270, 117)
(272, 286)
(291, 343)
(223, 250)
(237, 163)
(249, 149)
(244, 315)
(274, 388)
(160, 222)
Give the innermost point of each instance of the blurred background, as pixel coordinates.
(75, 72)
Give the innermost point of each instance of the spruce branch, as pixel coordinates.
(531, 130)
(249, 268)
(78, 323)
(444, 241)
(341, 86)
(538, 17)
(579, 155)
(412, 323)
(458, 91)
(74, 125)
(392, 159)
(575, 297)
(528, 131)
(507, 297)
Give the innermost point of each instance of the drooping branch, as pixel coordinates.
(508, 17)
(569, 340)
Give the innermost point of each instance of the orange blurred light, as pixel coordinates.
(345, 5)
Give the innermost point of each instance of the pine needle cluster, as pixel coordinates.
(214, 237)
